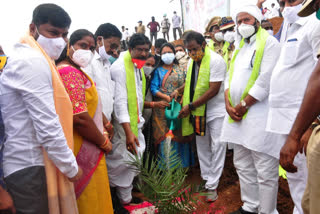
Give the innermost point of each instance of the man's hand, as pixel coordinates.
(240, 110)
(161, 104)
(288, 153)
(185, 111)
(132, 141)
(78, 175)
(233, 113)
(6, 202)
(304, 141)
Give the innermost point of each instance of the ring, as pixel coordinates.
(128, 147)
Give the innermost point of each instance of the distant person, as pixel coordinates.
(141, 28)
(154, 29)
(265, 24)
(165, 25)
(124, 45)
(176, 25)
(157, 46)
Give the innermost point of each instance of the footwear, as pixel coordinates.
(242, 211)
(136, 200)
(212, 195)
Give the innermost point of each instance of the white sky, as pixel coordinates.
(89, 14)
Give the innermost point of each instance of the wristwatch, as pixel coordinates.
(243, 104)
(191, 107)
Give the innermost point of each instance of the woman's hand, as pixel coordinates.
(161, 104)
(174, 95)
(109, 128)
(168, 98)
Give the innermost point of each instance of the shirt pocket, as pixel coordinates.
(290, 52)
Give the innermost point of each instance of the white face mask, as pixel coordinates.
(246, 30)
(208, 41)
(168, 58)
(52, 46)
(180, 55)
(229, 36)
(270, 32)
(102, 52)
(219, 36)
(82, 57)
(290, 14)
(147, 70)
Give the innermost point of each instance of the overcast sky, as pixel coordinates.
(89, 14)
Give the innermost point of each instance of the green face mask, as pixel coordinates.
(318, 14)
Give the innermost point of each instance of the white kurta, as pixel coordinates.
(99, 71)
(121, 173)
(250, 132)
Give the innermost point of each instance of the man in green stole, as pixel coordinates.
(203, 108)
(256, 153)
(130, 86)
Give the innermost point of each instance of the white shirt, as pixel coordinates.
(125, 35)
(291, 74)
(176, 21)
(118, 75)
(250, 132)
(99, 71)
(30, 119)
(218, 69)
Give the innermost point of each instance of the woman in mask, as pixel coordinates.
(167, 78)
(91, 140)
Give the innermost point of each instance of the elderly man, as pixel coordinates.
(300, 39)
(246, 96)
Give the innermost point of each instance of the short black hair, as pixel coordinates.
(180, 46)
(159, 42)
(108, 30)
(193, 35)
(52, 14)
(138, 39)
(75, 36)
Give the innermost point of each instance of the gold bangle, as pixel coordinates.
(104, 145)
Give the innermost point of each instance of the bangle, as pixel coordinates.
(152, 104)
(104, 146)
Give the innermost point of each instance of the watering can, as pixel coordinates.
(172, 113)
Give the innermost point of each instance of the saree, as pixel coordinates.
(92, 190)
(172, 80)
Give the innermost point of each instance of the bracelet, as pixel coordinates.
(104, 146)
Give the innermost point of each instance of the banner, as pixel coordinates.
(197, 13)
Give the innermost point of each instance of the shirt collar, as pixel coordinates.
(301, 21)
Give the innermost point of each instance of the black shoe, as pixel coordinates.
(136, 200)
(117, 206)
(242, 211)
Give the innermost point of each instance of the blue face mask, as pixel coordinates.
(112, 59)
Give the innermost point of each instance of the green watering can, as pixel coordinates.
(171, 114)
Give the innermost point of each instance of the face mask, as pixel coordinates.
(219, 36)
(290, 14)
(208, 41)
(168, 58)
(197, 57)
(3, 61)
(229, 36)
(102, 52)
(139, 63)
(318, 14)
(270, 32)
(147, 70)
(180, 55)
(52, 46)
(82, 57)
(246, 30)
(112, 59)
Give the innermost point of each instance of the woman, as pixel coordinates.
(167, 78)
(91, 140)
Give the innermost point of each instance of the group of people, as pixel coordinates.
(75, 110)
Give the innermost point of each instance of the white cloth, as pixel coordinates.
(291, 74)
(274, 12)
(218, 68)
(250, 132)
(120, 173)
(251, 9)
(125, 35)
(29, 115)
(258, 174)
(165, 23)
(211, 154)
(176, 21)
(99, 71)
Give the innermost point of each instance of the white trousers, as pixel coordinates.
(211, 153)
(258, 174)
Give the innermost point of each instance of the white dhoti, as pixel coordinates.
(211, 153)
(120, 172)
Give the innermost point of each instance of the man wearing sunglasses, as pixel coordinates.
(300, 41)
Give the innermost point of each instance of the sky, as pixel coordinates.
(17, 14)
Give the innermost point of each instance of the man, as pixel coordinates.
(130, 89)
(176, 25)
(300, 39)
(157, 46)
(141, 28)
(31, 96)
(154, 29)
(165, 25)
(213, 29)
(306, 31)
(124, 39)
(203, 103)
(227, 29)
(265, 24)
(182, 56)
(246, 96)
